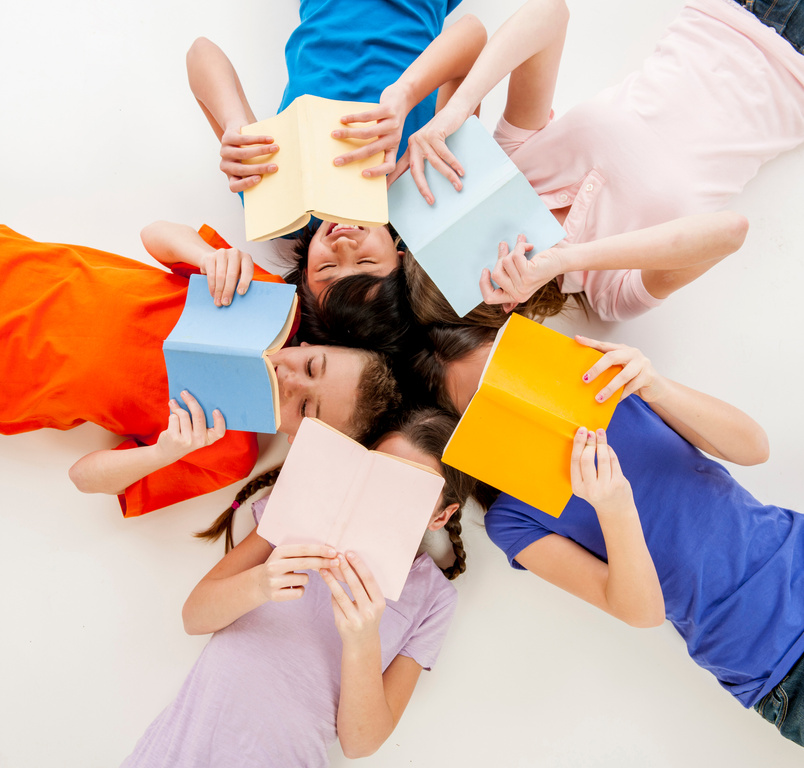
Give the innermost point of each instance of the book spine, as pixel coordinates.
(195, 347)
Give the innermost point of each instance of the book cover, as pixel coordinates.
(332, 490)
(459, 235)
(220, 354)
(517, 432)
(307, 183)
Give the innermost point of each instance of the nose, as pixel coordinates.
(344, 244)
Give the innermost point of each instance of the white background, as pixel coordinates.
(100, 135)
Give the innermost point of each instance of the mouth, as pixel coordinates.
(335, 227)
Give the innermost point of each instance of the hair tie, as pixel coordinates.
(235, 504)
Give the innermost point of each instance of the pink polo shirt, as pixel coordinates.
(721, 95)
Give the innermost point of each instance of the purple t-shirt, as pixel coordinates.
(264, 691)
(731, 569)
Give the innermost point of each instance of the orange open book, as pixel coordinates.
(307, 182)
(517, 432)
(332, 490)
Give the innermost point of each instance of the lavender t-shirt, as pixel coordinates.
(264, 691)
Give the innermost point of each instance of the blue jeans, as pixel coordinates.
(785, 16)
(784, 705)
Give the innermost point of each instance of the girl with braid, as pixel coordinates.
(280, 680)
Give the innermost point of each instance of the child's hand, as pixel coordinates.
(235, 148)
(517, 276)
(604, 486)
(386, 131)
(279, 580)
(429, 143)
(227, 269)
(187, 432)
(637, 374)
(357, 620)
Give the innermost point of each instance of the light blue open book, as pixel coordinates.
(220, 354)
(457, 236)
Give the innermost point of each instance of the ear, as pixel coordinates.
(304, 344)
(291, 438)
(401, 255)
(441, 518)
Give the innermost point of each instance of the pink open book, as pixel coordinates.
(334, 491)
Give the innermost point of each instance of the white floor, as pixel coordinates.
(99, 136)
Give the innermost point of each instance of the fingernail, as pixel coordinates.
(586, 377)
(338, 161)
(367, 174)
(350, 555)
(429, 200)
(226, 302)
(457, 186)
(336, 134)
(590, 436)
(599, 398)
(241, 291)
(271, 169)
(185, 392)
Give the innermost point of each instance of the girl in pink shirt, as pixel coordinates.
(722, 94)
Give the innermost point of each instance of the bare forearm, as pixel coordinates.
(669, 255)
(217, 88)
(532, 30)
(170, 243)
(449, 57)
(217, 602)
(109, 471)
(633, 591)
(710, 424)
(364, 718)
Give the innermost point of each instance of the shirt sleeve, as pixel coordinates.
(511, 138)
(424, 644)
(511, 528)
(616, 294)
(229, 459)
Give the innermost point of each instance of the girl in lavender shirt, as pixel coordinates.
(280, 680)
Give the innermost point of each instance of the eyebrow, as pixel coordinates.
(323, 365)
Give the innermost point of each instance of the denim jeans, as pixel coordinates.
(784, 705)
(785, 16)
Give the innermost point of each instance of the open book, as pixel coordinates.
(220, 354)
(334, 491)
(517, 432)
(307, 182)
(459, 235)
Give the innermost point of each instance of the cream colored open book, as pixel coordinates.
(332, 490)
(307, 183)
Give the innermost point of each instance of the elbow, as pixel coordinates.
(190, 622)
(476, 31)
(81, 479)
(356, 751)
(759, 451)
(647, 620)
(198, 50)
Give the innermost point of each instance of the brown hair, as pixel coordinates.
(430, 306)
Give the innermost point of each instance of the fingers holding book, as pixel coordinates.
(245, 159)
(282, 576)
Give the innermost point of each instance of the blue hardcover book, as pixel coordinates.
(220, 354)
(457, 236)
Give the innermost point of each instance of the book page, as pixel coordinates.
(341, 194)
(276, 205)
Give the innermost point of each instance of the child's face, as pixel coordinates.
(317, 381)
(340, 250)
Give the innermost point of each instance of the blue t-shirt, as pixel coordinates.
(353, 49)
(731, 569)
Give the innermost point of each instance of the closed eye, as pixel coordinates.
(303, 409)
(310, 367)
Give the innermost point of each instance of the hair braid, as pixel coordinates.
(223, 524)
(453, 528)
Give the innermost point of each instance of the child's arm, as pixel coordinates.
(249, 575)
(111, 471)
(226, 269)
(371, 703)
(710, 424)
(626, 586)
(446, 60)
(220, 95)
(670, 255)
(529, 46)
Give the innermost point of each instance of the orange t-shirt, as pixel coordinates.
(82, 335)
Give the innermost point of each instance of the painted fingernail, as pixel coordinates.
(590, 436)
(599, 398)
(586, 377)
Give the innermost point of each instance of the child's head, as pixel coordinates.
(349, 389)
(452, 365)
(333, 251)
(421, 437)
